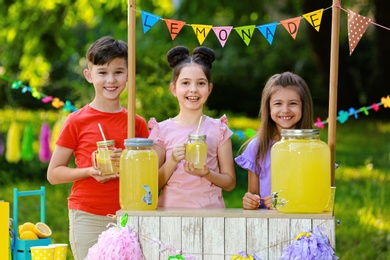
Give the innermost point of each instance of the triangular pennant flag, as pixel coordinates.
(292, 26)
(222, 33)
(268, 31)
(357, 26)
(174, 27)
(314, 18)
(201, 31)
(148, 20)
(245, 33)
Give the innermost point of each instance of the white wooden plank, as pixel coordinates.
(192, 236)
(329, 229)
(149, 231)
(235, 236)
(279, 236)
(214, 237)
(170, 236)
(257, 237)
(298, 226)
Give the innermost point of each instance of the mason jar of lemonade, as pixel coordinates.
(300, 172)
(138, 181)
(196, 150)
(101, 158)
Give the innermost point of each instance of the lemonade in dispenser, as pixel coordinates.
(300, 172)
(138, 181)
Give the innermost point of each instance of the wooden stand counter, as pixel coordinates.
(215, 234)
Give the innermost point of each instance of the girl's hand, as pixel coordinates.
(251, 201)
(268, 202)
(179, 152)
(190, 168)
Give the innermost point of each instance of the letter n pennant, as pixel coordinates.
(174, 27)
(246, 33)
(292, 25)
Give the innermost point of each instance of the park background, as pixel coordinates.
(43, 45)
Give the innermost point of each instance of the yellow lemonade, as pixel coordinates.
(196, 151)
(300, 174)
(101, 158)
(138, 179)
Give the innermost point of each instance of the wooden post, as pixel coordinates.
(333, 80)
(131, 69)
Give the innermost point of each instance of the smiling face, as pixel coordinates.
(109, 80)
(191, 88)
(285, 108)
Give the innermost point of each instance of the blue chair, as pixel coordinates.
(21, 248)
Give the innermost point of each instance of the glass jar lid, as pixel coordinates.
(195, 137)
(138, 142)
(106, 143)
(300, 132)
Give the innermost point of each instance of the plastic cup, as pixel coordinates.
(329, 207)
(60, 251)
(42, 252)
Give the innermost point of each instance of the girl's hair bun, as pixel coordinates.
(203, 55)
(177, 55)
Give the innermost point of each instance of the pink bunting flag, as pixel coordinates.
(357, 26)
(222, 33)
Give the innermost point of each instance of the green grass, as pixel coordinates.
(362, 194)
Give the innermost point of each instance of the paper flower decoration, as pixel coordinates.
(309, 245)
(12, 151)
(44, 140)
(117, 243)
(27, 143)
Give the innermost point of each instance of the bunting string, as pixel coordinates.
(357, 25)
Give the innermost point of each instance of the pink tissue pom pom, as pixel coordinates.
(116, 244)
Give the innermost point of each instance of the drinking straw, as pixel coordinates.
(200, 121)
(101, 131)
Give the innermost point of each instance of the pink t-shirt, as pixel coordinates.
(182, 189)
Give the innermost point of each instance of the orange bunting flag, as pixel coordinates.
(357, 26)
(222, 33)
(201, 31)
(292, 26)
(174, 27)
(246, 33)
(386, 101)
(57, 103)
(314, 18)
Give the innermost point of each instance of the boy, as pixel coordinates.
(94, 196)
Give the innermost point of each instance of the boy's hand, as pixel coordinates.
(97, 175)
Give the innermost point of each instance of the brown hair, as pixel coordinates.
(179, 57)
(106, 49)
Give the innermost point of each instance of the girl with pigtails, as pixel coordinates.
(182, 185)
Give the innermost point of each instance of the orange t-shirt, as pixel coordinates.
(80, 133)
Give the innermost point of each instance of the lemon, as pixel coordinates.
(42, 230)
(27, 226)
(28, 235)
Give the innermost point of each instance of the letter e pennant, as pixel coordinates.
(174, 27)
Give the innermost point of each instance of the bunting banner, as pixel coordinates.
(357, 25)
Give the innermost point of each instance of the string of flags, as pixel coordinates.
(55, 101)
(357, 25)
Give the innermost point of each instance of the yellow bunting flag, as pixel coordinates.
(174, 27)
(246, 33)
(292, 26)
(201, 31)
(314, 18)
